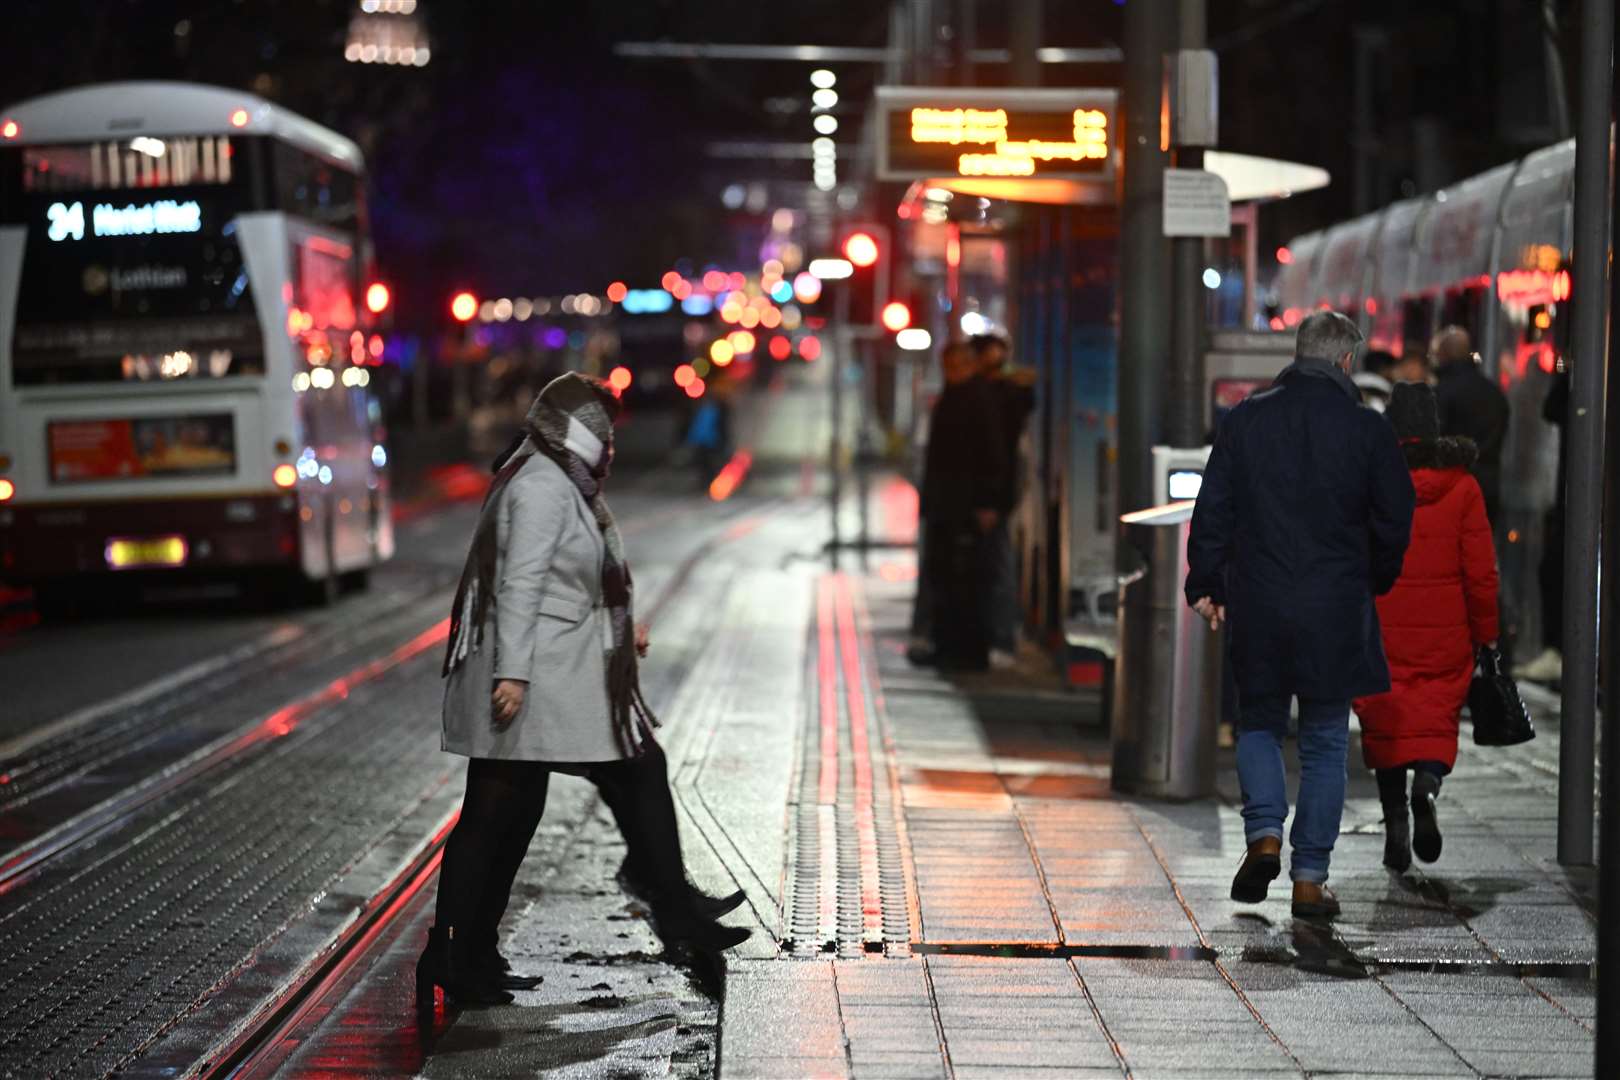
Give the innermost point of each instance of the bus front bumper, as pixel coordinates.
(43, 542)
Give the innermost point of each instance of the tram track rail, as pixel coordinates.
(137, 824)
(54, 796)
(243, 1054)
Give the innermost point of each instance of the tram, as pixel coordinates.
(1490, 254)
(185, 343)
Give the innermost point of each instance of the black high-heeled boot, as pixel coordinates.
(499, 968)
(683, 929)
(442, 965)
(704, 905)
(1397, 839)
(1426, 839)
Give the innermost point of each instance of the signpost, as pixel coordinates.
(1196, 204)
(996, 132)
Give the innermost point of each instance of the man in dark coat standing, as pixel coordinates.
(963, 491)
(1304, 517)
(1473, 407)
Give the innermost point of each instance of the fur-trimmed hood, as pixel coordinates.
(1446, 452)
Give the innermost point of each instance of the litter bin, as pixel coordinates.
(1167, 675)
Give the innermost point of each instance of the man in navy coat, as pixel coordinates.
(1303, 518)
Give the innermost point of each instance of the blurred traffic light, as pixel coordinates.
(866, 247)
(377, 297)
(896, 316)
(464, 307)
(861, 248)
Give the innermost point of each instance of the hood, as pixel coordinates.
(1446, 452)
(1432, 485)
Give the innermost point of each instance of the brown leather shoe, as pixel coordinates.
(1314, 901)
(1260, 867)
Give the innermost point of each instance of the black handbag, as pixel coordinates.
(1500, 717)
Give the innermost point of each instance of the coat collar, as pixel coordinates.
(1318, 369)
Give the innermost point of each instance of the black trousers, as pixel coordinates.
(502, 809)
(958, 563)
(1392, 782)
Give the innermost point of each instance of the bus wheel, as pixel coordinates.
(316, 592)
(60, 601)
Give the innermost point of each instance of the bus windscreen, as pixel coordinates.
(131, 268)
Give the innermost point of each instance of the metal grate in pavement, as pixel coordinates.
(848, 890)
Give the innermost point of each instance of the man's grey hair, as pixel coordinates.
(1325, 336)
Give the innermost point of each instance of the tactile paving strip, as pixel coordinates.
(847, 884)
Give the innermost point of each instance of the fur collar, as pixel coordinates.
(1446, 452)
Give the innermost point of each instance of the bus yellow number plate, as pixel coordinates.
(150, 551)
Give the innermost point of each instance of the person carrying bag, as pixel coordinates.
(1440, 616)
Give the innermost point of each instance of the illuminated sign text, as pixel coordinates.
(1012, 132)
(164, 216)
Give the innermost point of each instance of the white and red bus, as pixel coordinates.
(184, 342)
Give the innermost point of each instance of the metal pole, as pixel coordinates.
(967, 39)
(1144, 270)
(1584, 442)
(841, 340)
(1185, 423)
(1024, 42)
(1608, 953)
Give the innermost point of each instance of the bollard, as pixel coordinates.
(1167, 676)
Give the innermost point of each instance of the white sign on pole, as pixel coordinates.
(1196, 204)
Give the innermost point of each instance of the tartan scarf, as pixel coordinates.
(569, 402)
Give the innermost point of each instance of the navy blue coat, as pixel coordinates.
(1304, 516)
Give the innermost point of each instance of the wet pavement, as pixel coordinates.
(940, 881)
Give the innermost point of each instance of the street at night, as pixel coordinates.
(923, 539)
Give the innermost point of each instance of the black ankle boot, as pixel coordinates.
(499, 971)
(1426, 839)
(703, 905)
(682, 929)
(444, 965)
(1397, 839)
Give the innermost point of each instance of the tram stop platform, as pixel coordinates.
(941, 883)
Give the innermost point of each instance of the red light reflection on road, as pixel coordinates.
(722, 487)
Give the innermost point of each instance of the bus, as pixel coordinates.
(186, 344)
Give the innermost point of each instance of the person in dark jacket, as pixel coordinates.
(1440, 613)
(964, 477)
(1014, 393)
(1303, 518)
(1471, 407)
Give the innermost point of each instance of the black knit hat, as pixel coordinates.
(1414, 412)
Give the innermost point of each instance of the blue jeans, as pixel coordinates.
(1324, 740)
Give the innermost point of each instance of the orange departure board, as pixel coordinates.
(936, 132)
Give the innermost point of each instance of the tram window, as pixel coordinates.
(1417, 318)
(1464, 309)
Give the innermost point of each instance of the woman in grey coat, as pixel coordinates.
(541, 670)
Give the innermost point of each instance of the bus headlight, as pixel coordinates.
(7, 489)
(284, 475)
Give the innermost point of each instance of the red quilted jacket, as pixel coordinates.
(1441, 609)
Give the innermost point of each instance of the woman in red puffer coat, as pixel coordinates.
(1440, 613)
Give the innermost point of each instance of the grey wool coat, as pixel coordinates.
(547, 627)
